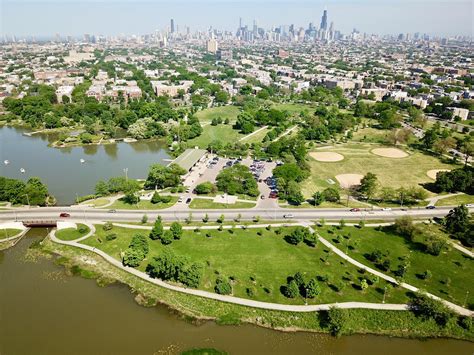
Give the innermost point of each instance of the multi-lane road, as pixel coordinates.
(91, 214)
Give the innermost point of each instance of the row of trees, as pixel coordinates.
(33, 192)
(166, 237)
(457, 180)
(237, 179)
(297, 285)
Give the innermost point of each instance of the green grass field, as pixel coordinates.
(142, 205)
(7, 233)
(204, 203)
(98, 202)
(358, 159)
(456, 200)
(72, 233)
(294, 109)
(207, 115)
(257, 137)
(224, 133)
(258, 262)
(452, 271)
(370, 135)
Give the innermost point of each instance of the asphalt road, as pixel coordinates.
(90, 214)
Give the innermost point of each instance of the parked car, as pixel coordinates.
(180, 199)
(188, 200)
(64, 215)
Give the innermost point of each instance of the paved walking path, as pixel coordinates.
(258, 304)
(343, 255)
(223, 298)
(253, 133)
(288, 131)
(433, 200)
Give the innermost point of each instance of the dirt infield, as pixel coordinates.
(348, 180)
(389, 152)
(432, 173)
(326, 156)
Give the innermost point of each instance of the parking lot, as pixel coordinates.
(211, 166)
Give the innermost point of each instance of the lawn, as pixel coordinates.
(257, 137)
(98, 202)
(358, 159)
(261, 263)
(7, 233)
(72, 233)
(224, 133)
(370, 135)
(207, 115)
(452, 271)
(456, 200)
(205, 203)
(142, 205)
(295, 109)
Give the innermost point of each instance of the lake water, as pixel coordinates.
(44, 311)
(61, 169)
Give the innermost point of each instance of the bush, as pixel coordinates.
(107, 226)
(337, 321)
(110, 237)
(291, 290)
(82, 229)
(205, 188)
(429, 308)
(167, 238)
(297, 235)
(223, 287)
(311, 240)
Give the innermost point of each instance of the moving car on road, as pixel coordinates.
(64, 215)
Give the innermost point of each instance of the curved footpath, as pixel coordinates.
(259, 304)
(454, 307)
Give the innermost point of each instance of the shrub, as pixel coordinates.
(167, 238)
(223, 287)
(337, 321)
(297, 235)
(107, 226)
(291, 290)
(429, 308)
(110, 237)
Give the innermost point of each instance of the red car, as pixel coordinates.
(64, 215)
(355, 209)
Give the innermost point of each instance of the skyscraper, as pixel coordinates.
(324, 20)
(172, 25)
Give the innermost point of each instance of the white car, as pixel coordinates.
(386, 209)
(180, 199)
(470, 205)
(289, 215)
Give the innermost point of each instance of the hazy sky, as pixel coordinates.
(73, 17)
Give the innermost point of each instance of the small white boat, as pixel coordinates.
(6, 162)
(82, 161)
(22, 170)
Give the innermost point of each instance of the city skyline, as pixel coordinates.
(122, 17)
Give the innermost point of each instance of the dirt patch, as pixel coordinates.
(326, 156)
(390, 153)
(348, 180)
(432, 173)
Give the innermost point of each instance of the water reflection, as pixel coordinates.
(51, 164)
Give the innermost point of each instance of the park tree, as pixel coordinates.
(368, 185)
(318, 198)
(331, 194)
(157, 231)
(337, 320)
(223, 286)
(457, 220)
(176, 230)
(291, 290)
(297, 235)
(405, 227)
(101, 188)
(294, 194)
(312, 289)
(167, 238)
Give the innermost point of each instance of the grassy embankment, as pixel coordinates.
(72, 233)
(393, 323)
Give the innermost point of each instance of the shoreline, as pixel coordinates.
(90, 265)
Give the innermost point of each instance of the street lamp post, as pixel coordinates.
(27, 199)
